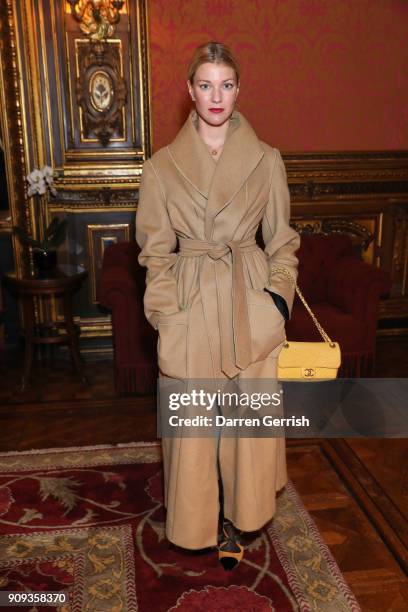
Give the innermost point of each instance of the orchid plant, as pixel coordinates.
(39, 182)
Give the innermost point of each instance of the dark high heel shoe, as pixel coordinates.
(230, 550)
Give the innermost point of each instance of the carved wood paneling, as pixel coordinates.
(400, 251)
(12, 125)
(360, 236)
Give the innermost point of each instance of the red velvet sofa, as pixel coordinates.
(342, 291)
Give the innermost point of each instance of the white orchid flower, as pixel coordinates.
(41, 180)
(48, 174)
(35, 176)
(37, 187)
(42, 187)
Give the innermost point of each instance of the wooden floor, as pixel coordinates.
(355, 489)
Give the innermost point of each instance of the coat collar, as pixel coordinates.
(221, 181)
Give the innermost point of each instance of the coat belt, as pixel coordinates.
(239, 357)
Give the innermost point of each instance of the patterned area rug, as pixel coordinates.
(89, 521)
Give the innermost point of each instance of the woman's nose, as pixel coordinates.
(216, 97)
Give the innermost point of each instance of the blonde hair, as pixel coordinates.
(213, 53)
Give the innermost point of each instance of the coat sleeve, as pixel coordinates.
(281, 241)
(157, 241)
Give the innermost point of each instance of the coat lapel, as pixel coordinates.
(217, 182)
(192, 158)
(241, 154)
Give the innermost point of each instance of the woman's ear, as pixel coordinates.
(190, 90)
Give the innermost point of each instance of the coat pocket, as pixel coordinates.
(172, 344)
(267, 323)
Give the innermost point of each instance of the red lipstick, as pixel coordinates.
(216, 110)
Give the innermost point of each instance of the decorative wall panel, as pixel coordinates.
(100, 89)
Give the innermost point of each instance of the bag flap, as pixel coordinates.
(310, 354)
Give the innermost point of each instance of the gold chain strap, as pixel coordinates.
(306, 305)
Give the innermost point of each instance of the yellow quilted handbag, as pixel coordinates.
(308, 361)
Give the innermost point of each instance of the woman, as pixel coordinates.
(208, 192)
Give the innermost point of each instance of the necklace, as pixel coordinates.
(214, 151)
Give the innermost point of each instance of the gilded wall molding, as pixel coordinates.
(314, 188)
(96, 198)
(390, 158)
(360, 235)
(346, 173)
(12, 118)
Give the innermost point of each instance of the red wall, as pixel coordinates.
(316, 74)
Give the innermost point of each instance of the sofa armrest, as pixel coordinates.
(121, 254)
(353, 284)
(114, 281)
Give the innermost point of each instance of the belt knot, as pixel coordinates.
(235, 340)
(222, 248)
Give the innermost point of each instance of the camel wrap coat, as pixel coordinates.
(214, 319)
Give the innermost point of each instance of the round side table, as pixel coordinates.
(60, 283)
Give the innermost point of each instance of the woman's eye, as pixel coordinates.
(206, 86)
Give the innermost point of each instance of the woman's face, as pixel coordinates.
(214, 91)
